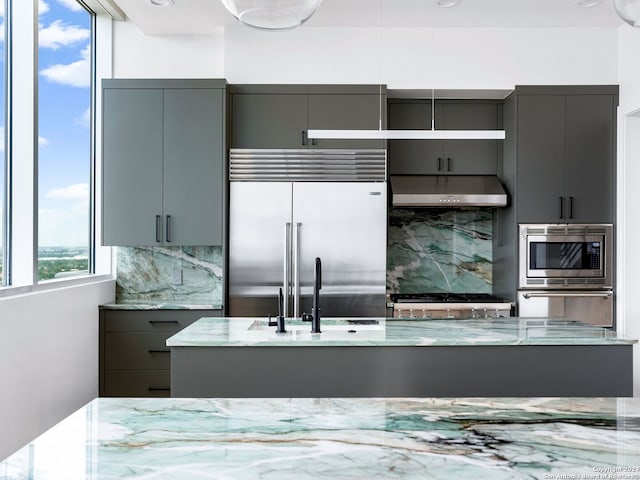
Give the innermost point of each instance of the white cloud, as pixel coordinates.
(71, 5)
(43, 7)
(75, 74)
(63, 226)
(43, 142)
(64, 221)
(77, 191)
(57, 35)
(85, 119)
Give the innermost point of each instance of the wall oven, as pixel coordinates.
(566, 256)
(566, 270)
(590, 306)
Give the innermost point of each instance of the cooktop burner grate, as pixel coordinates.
(445, 298)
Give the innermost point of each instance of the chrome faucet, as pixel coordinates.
(317, 285)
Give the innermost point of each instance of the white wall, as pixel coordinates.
(410, 57)
(140, 56)
(423, 57)
(48, 358)
(628, 193)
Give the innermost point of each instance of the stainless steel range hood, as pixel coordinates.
(447, 191)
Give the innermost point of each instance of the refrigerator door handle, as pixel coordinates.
(286, 262)
(296, 270)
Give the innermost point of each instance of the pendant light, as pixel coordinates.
(628, 10)
(272, 14)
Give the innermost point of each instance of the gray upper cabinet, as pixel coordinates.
(540, 186)
(589, 158)
(268, 121)
(193, 166)
(163, 162)
(132, 165)
(413, 157)
(565, 156)
(471, 157)
(345, 112)
(279, 116)
(444, 157)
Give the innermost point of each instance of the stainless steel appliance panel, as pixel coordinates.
(591, 306)
(566, 256)
(277, 229)
(259, 237)
(345, 225)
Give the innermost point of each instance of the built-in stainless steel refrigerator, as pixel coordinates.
(288, 207)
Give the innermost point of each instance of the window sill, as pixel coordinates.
(53, 284)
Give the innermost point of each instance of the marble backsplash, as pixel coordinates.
(145, 274)
(435, 250)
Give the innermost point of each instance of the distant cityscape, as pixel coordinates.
(59, 262)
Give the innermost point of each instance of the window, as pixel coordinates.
(3, 118)
(64, 138)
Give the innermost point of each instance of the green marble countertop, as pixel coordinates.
(157, 306)
(363, 438)
(242, 332)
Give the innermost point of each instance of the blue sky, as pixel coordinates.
(64, 99)
(64, 142)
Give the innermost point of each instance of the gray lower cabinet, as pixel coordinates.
(565, 154)
(279, 116)
(163, 162)
(444, 157)
(134, 358)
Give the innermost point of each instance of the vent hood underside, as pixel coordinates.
(447, 191)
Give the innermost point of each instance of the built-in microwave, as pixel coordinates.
(556, 256)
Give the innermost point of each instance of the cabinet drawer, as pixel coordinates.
(136, 351)
(136, 383)
(169, 321)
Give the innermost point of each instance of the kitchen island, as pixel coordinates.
(462, 438)
(378, 357)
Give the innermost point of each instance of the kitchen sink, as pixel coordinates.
(327, 325)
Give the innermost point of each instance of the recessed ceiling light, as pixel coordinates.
(447, 3)
(160, 3)
(588, 3)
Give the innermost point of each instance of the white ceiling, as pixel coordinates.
(202, 17)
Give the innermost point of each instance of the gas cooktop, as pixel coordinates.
(448, 305)
(445, 298)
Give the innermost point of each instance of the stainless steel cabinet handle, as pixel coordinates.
(168, 233)
(561, 206)
(286, 281)
(296, 271)
(568, 294)
(158, 228)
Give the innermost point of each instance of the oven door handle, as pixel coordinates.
(573, 294)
